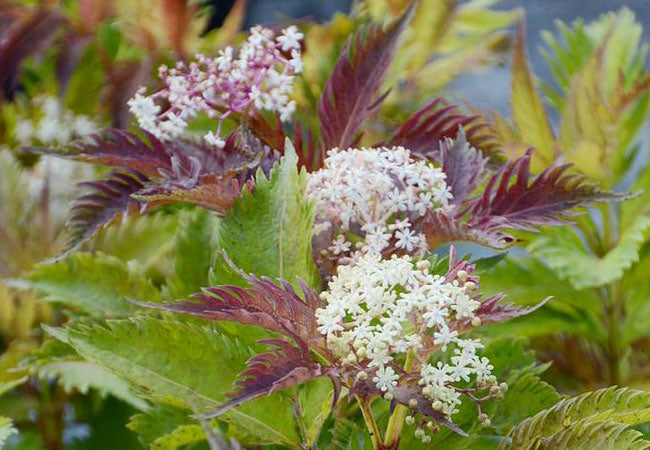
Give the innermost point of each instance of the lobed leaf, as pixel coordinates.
(109, 199)
(564, 251)
(512, 199)
(528, 111)
(423, 132)
(95, 284)
(615, 405)
(180, 364)
(276, 220)
(350, 94)
(276, 308)
(287, 366)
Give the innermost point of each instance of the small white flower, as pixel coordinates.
(385, 378)
(290, 38)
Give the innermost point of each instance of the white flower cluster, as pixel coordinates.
(378, 191)
(259, 74)
(53, 125)
(377, 310)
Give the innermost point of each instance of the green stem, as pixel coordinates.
(396, 421)
(613, 317)
(300, 419)
(373, 429)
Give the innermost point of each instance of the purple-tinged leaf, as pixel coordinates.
(492, 310)
(424, 130)
(109, 198)
(350, 94)
(463, 165)
(180, 171)
(264, 304)
(24, 40)
(512, 201)
(286, 366)
(441, 228)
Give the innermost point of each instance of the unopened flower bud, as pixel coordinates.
(476, 321)
(410, 420)
(419, 432)
(423, 265)
(470, 286)
(413, 403)
(437, 405)
(462, 275)
(388, 396)
(426, 439)
(362, 376)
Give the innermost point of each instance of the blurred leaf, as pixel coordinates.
(140, 237)
(97, 284)
(564, 251)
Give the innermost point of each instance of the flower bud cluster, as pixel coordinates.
(378, 310)
(260, 74)
(375, 193)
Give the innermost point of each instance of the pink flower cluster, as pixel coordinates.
(259, 75)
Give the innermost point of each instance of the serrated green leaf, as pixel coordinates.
(589, 435)
(522, 384)
(139, 237)
(268, 232)
(184, 365)
(194, 251)
(96, 284)
(615, 405)
(563, 251)
(6, 430)
(528, 111)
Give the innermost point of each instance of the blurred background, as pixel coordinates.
(488, 88)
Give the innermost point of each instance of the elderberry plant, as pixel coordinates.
(307, 295)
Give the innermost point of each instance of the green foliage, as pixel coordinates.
(95, 284)
(596, 419)
(193, 252)
(564, 251)
(528, 112)
(184, 365)
(269, 230)
(57, 361)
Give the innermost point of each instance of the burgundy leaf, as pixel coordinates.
(463, 166)
(350, 94)
(264, 304)
(441, 228)
(510, 201)
(25, 40)
(437, 120)
(492, 310)
(179, 171)
(109, 198)
(284, 367)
